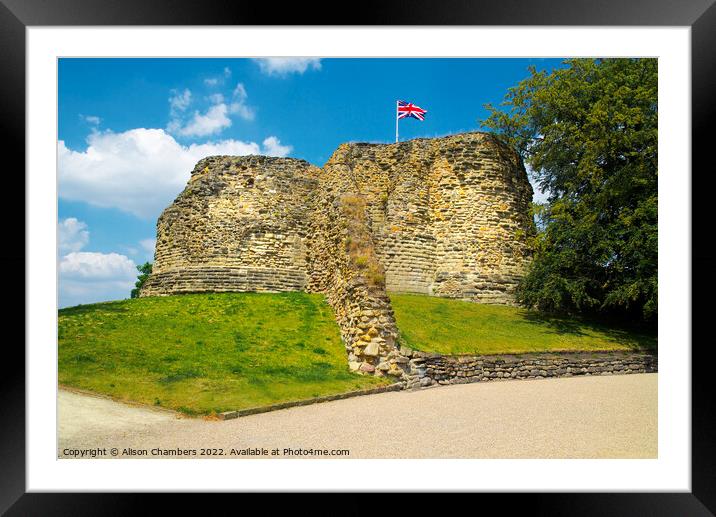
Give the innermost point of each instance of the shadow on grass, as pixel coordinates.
(556, 324)
(579, 327)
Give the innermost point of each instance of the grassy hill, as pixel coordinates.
(204, 353)
(207, 352)
(449, 326)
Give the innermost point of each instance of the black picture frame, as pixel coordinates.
(700, 15)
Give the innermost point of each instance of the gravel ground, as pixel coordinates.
(583, 417)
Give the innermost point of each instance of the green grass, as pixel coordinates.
(447, 326)
(204, 353)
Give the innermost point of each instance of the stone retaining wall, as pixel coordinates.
(428, 369)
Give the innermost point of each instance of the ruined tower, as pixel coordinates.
(239, 225)
(443, 217)
(449, 216)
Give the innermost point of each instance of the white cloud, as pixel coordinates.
(243, 111)
(88, 277)
(89, 265)
(148, 245)
(216, 98)
(137, 171)
(179, 101)
(211, 81)
(272, 147)
(239, 93)
(227, 72)
(91, 119)
(282, 66)
(238, 103)
(212, 121)
(204, 124)
(72, 235)
(140, 171)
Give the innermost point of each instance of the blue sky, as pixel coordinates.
(130, 130)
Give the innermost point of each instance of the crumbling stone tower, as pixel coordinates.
(239, 225)
(449, 216)
(444, 217)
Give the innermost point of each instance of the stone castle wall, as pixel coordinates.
(239, 225)
(449, 216)
(343, 265)
(446, 217)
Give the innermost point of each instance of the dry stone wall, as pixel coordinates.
(430, 369)
(446, 217)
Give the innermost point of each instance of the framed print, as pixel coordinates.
(261, 247)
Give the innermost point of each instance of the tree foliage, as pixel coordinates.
(588, 131)
(144, 271)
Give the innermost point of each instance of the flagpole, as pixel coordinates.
(396, 122)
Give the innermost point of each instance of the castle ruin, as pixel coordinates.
(444, 217)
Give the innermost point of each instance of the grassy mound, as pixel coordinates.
(456, 327)
(204, 353)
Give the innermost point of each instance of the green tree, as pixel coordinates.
(588, 131)
(144, 271)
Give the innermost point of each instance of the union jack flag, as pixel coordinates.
(408, 109)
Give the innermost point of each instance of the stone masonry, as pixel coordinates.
(429, 369)
(449, 216)
(239, 225)
(445, 217)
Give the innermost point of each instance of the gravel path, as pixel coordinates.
(583, 417)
